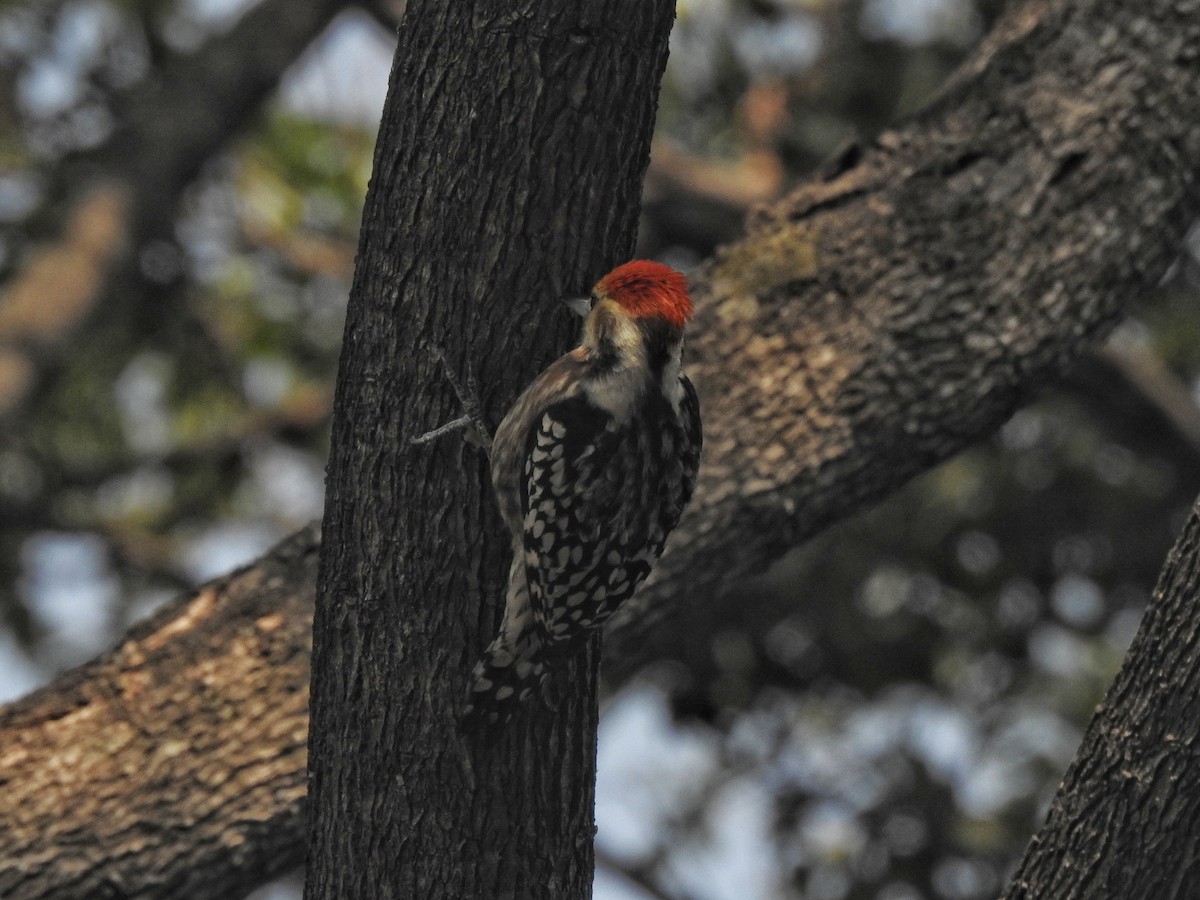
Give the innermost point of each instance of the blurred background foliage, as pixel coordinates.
(883, 715)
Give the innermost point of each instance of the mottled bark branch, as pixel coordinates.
(886, 316)
(173, 766)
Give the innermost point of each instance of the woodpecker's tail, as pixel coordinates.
(512, 667)
(509, 673)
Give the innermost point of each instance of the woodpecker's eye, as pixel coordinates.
(593, 300)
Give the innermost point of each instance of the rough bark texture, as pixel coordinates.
(174, 765)
(1124, 820)
(508, 174)
(976, 251)
(882, 318)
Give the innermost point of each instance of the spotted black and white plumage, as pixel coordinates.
(592, 467)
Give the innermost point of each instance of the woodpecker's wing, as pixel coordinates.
(693, 441)
(590, 535)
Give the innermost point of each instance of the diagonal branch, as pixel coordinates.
(882, 318)
(195, 725)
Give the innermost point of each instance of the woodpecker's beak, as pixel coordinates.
(581, 306)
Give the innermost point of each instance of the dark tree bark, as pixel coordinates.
(194, 725)
(989, 270)
(1124, 820)
(508, 174)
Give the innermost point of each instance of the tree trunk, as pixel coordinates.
(1125, 819)
(507, 174)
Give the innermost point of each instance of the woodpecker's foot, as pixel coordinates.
(471, 421)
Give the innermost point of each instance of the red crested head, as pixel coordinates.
(646, 289)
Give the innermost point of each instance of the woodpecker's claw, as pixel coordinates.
(430, 436)
(472, 419)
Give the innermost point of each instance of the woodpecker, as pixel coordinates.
(592, 468)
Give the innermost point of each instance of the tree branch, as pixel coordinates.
(638, 877)
(884, 317)
(173, 766)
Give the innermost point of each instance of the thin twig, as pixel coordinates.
(638, 876)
